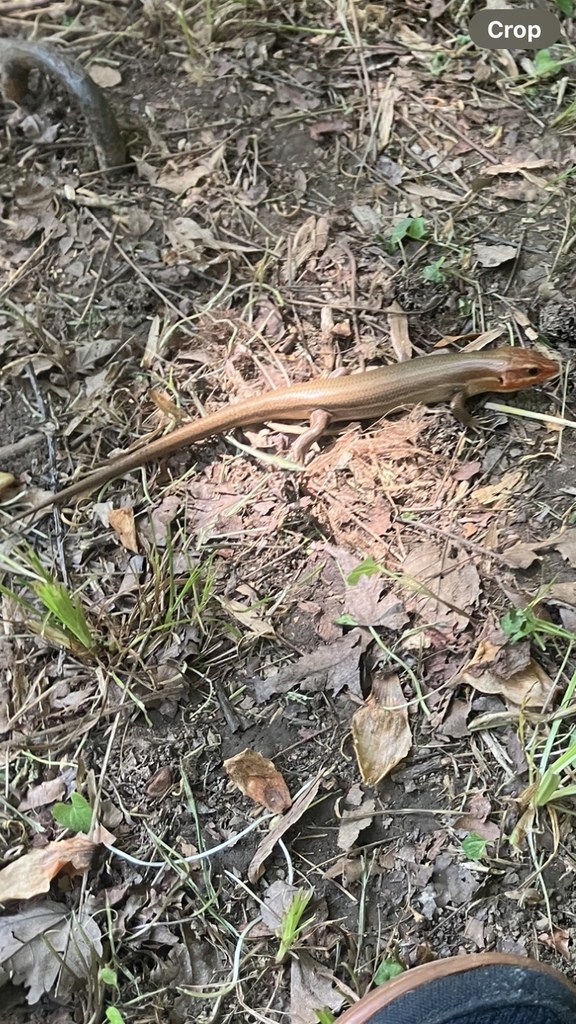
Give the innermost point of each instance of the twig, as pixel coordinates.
(8, 450)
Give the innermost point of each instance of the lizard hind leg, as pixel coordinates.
(319, 420)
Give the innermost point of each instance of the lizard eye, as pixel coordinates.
(532, 371)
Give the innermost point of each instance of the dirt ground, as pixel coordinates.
(310, 186)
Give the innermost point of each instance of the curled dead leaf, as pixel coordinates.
(122, 522)
(380, 730)
(258, 778)
(529, 686)
(32, 874)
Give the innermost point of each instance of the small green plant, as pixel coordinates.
(65, 622)
(549, 787)
(113, 1016)
(522, 624)
(324, 1016)
(473, 846)
(565, 7)
(408, 227)
(388, 969)
(108, 977)
(76, 816)
(433, 272)
(293, 926)
(545, 64)
(552, 763)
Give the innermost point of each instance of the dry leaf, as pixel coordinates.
(300, 805)
(385, 116)
(560, 941)
(449, 581)
(334, 667)
(520, 556)
(498, 495)
(44, 793)
(494, 255)
(563, 593)
(513, 166)
(431, 192)
(182, 181)
(250, 617)
(355, 818)
(32, 874)
(257, 777)
(380, 730)
(6, 481)
(45, 947)
(189, 238)
(530, 686)
(104, 76)
(312, 988)
(567, 546)
(474, 819)
(276, 904)
(122, 522)
(310, 239)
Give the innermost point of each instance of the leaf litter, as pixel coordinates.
(238, 279)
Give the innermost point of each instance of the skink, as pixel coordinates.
(361, 396)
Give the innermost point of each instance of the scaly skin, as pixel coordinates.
(18, 57)
(367, 395)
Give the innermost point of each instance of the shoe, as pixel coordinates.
(479, 988)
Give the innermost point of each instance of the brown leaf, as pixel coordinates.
(560, 940)
(498, 495)
(336, 666)
(530, 686)
(300, 805)
(380, 730)
(520, 556)
(32, 874)
(474, 819)
(44, 793)
(563, 593)
(159, 784)
(122, 522)
(364, 601)
(355, 818)
(449, 582)
(567, 546)
(257, 777)
(494, 255)
(513, 166)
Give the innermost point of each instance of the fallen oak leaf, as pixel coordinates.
(32, 873)
(258, 778)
